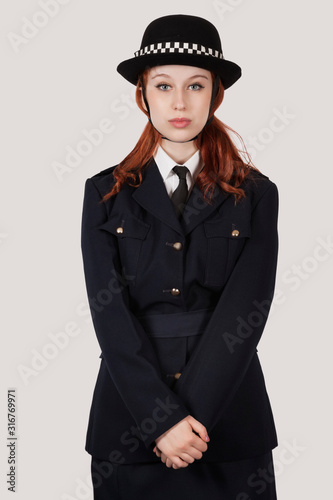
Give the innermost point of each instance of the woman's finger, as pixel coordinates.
(187, 458)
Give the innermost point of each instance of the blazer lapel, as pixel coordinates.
(153, 197)
(197, 209)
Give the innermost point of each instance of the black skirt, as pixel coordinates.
(252, 478)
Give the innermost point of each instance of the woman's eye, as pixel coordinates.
(197, 85)
(162, 85)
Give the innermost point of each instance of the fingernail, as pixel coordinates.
(206, 438)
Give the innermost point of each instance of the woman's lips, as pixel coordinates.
(180, 122)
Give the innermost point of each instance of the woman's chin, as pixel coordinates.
(181, 134)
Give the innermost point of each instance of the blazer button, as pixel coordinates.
(175, 291)
(120, 230)
(177, 375)
(235, 232)
(177, 245)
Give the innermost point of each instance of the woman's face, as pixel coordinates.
(179, 92)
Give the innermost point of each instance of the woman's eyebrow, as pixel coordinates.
(168, 76)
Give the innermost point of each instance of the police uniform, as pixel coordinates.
(178, 307)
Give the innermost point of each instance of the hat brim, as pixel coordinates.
(228, 71)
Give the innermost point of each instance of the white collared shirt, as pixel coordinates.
(171, 180)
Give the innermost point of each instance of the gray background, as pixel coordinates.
(61, 82)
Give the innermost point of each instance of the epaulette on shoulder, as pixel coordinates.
(104, 172)
(256, 173)
(256, 182)
(104, 180)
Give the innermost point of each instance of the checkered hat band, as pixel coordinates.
(178, 48)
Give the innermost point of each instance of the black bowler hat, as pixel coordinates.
(181, 39)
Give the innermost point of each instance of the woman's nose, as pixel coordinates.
(178, 101)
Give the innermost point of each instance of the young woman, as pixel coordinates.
(179, 245)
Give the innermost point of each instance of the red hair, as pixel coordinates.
(224, 165)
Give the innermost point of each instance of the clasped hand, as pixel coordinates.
(180, 446)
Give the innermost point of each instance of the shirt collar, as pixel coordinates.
(166, 164)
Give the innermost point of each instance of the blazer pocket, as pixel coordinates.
(225, 241)
(130, 232)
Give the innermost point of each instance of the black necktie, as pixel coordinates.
(179, 196)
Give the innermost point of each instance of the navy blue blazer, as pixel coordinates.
(178, 309)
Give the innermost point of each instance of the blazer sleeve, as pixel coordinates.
(218, 364)
(127, 350)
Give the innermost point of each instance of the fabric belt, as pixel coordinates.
(181, 324)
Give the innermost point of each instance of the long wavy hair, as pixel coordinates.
(223, 163)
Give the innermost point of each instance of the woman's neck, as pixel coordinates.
(180, 152)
